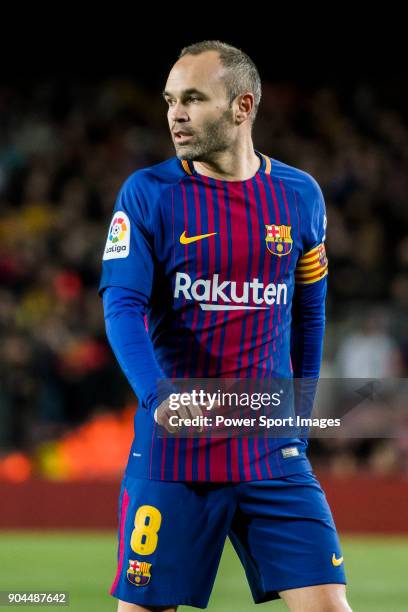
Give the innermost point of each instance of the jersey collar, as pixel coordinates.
(265, 166)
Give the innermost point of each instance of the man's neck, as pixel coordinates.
(230, 165)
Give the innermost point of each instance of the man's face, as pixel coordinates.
(199, 113)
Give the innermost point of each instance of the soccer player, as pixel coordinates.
(220, 249)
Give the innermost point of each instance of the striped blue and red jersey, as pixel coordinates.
(214, 266)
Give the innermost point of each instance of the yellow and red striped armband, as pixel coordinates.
(312, 266)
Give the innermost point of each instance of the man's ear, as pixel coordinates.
(245, 104)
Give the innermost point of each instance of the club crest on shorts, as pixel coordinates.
(278, 239)
(138, 572)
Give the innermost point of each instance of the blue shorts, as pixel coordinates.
(171, 537)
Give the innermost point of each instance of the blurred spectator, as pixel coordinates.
(370, 351)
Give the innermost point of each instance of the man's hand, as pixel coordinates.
(163, 413)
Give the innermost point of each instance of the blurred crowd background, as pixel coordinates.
(65, 149)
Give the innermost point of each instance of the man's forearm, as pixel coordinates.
(307, 330)
(124, 311)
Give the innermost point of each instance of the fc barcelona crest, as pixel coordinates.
(138, 572)
(278, 239)
(322, 255)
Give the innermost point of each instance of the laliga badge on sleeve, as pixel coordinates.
(118, 241)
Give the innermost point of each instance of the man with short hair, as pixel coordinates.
(222, 247)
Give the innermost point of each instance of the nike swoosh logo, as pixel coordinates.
(336, 562)
(185, 240)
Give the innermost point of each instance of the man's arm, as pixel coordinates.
(126, 286)
(308, 306)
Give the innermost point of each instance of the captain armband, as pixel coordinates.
(312, 267)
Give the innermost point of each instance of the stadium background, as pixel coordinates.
(67, 143)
